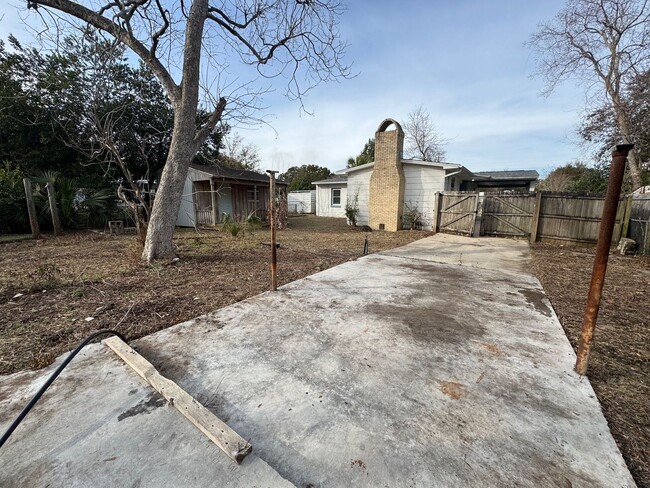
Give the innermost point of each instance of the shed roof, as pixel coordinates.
(234, 174)
(520, 174)
(332, 180)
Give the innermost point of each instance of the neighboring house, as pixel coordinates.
(390, 187)
(211, 191)
(301, 201)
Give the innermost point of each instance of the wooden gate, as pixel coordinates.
(457, 212)
(507, 214)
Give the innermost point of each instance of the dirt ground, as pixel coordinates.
(619, 364)
(54, 292)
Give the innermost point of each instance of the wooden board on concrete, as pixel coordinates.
(215, 429)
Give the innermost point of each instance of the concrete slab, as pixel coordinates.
(487, 252)
(392, 370)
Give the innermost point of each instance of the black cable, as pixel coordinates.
(51, 379)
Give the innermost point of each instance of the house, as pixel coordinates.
(390, 188)
(211, 191)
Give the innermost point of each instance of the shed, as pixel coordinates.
(211, 191)
(301, 201)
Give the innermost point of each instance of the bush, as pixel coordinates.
(13, 206)
(352, 209)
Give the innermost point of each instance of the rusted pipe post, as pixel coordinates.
(274, 255)
(607, 221)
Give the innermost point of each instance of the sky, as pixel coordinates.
(464, 61)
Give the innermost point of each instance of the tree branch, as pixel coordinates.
(123, 35)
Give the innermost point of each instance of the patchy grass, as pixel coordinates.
(619, 364)
(81, 282)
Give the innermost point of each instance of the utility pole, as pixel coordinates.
(274, 255)
(607, 221)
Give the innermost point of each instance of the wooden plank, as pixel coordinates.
(215, 429)
(534, 226)
(626, 217)
(31, 208)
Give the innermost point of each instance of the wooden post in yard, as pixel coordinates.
(56, 223)
(31, 208)
(625, 225)
(607, 221)
(274, 255)
(534, 225)
(436, 209)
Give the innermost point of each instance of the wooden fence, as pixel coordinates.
(541, 216)
(638, 224)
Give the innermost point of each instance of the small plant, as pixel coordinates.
(352, 209)
(230, 225)
(45, 276)
(412, 217)
(253, 222)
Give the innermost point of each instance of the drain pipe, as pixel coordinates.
(607, 221)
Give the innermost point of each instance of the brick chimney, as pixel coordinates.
(386, 197)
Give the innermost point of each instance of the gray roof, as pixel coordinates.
(331, 180)
(521, 174)
(234, 174)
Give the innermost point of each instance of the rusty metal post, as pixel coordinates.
(274, 256)
(607, 221)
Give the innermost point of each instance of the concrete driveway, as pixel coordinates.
(440, 363)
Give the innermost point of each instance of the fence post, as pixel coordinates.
(436, 209)
(625, 225)
(536, 212)
(31, 208)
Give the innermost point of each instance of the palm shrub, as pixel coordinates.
(13, 206)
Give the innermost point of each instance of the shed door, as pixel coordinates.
(225, 200)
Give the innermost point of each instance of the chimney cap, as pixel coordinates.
(387, 123)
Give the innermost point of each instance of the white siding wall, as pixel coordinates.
(359, 184)
(421, 185)
(324, 200)
(186, 215)
(302, 201)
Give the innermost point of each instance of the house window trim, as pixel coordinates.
(332, 204)
(256, 194)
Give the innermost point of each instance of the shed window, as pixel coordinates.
(253, 194)
(453, 183)
(336, 197)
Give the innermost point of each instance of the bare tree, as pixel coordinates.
(239, 154)
(422, 139)
(296, 39)
(604, 43)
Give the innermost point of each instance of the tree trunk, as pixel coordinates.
(183, 147)
(167, 201)
(633, 158)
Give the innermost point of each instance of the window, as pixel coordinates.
(252, 193)
(336, 197)
(453, 183)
